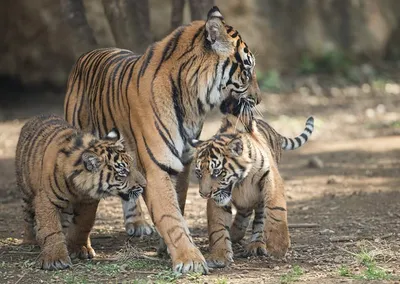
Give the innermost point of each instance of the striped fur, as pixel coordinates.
(159, 101)
(62, 174)
(239, 166)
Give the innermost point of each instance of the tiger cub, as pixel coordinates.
(239, 166)
(62, 174)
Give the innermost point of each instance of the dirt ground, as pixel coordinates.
(344, 213)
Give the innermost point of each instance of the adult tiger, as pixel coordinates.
(159, 101)
(62, 174)
(239, 166)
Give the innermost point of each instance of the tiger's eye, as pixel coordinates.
(216, 172)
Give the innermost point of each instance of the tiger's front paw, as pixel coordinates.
(256, 248)
(278, 240)
(190, 260)
(81, 252)
(139, 228)
(55, 258)
(220, 258)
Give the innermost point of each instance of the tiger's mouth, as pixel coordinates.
(132, 193)
(243, 105)
(223, 195)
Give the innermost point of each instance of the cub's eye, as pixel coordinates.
(198, 173)
(123, 172)
(216, 172)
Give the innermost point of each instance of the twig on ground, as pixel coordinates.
(343, 239)
(22, 276)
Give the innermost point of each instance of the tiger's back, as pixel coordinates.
(36, 135)
(100, 80)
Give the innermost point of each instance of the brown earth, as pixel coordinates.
(350, 207)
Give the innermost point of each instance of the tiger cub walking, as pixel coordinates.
(62, 174)
(240, 166)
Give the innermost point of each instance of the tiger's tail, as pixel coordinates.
(300, 140)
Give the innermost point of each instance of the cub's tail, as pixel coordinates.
(298, 141)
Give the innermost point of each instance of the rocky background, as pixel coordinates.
(40, 39)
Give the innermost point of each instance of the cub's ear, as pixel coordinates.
(235, 147)
(195, 143)
(113, 135)
(91, 161)
(216, 34)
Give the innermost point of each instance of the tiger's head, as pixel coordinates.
(105, 169)
(221, 163)
(238, 78)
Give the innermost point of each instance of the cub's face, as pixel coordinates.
(109, 171)
(221, 163)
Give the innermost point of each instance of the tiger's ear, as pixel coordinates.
(235, 147)
(216, 34)
(195, 142)
(91, 161)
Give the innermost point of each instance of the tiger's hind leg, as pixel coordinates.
(29, 222)
(276, 230)
(78, 232)
(256, 246)
(135, 224)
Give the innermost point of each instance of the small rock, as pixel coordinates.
(305, 208)
(338, 259)
(276, 268)
(366, 88)
(380, 109)
(370, 113)
(332, 180)
(326, 232)
(316, 163)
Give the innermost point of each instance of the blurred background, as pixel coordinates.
(40, 39)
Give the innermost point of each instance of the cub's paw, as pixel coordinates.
(278, 240)
(256, 248)
(81, 252)
(139, 228)
(55, 261)
(190, 260)
(220, 259)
